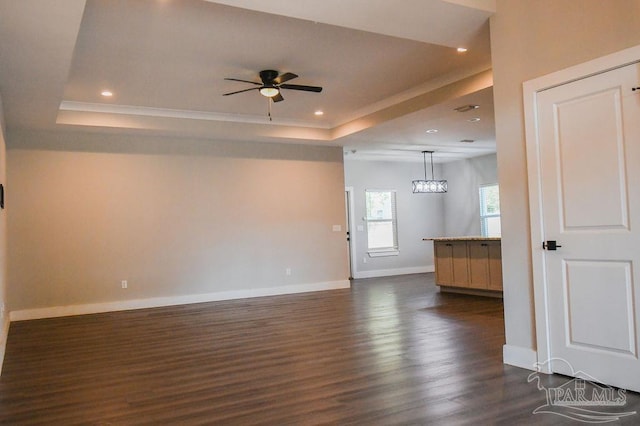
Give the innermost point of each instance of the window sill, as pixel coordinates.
(384, 253)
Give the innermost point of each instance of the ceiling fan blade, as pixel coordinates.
(240, 91)
(301, 87)
(277, 98)
(243, 81)
(285, 77)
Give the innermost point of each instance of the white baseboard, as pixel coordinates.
(156, 302)
(392, 272)
(519, 357)
(4, 334)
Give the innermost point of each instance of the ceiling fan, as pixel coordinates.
(272, 83)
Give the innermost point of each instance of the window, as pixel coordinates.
(490, 210)
(382, 230)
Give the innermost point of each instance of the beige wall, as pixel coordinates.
(530, 39)
(173, 217)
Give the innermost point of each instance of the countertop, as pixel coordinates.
(476, 238)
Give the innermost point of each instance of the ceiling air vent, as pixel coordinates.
(466, 108)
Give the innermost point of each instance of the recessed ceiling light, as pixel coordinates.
(432, 131)
(461, 49)
(465, 108)
(106, 93)
(319, 113)
(474, 119)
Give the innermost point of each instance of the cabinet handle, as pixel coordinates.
(448, 245)
(484, 244)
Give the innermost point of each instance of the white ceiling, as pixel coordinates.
(390, 71)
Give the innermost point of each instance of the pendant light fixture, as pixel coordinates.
(432, 185)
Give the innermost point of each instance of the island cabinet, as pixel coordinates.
(485, 265)
(472, 263)
(451, 263)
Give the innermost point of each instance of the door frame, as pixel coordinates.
(352, 235)
(530, 90)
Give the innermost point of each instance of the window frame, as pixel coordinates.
(383, 251)
(485, 216)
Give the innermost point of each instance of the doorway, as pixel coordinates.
(348, 202)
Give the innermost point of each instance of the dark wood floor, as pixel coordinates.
(387, 351)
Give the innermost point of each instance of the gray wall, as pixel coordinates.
(456, 213)
(462, 203)
(173, 217)
(419, 216)
(530, 39)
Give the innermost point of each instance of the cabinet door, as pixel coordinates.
(495, 266)
(478, 265)
(452, 266)
(460, 263)
(443, 262)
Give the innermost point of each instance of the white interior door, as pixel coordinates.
(588, 142)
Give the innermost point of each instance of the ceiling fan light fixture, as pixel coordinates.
(269, 91)
(271, 85)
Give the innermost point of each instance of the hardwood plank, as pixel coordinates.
(387, 351)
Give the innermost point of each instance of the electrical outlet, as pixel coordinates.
(364, 260)
(1, 309)
(124, 284)
(287, 272)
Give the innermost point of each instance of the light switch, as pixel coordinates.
(337, 228)
(361, 228)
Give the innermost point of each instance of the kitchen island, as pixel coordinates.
(471, 265)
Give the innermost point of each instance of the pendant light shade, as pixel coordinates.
(429, 185)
